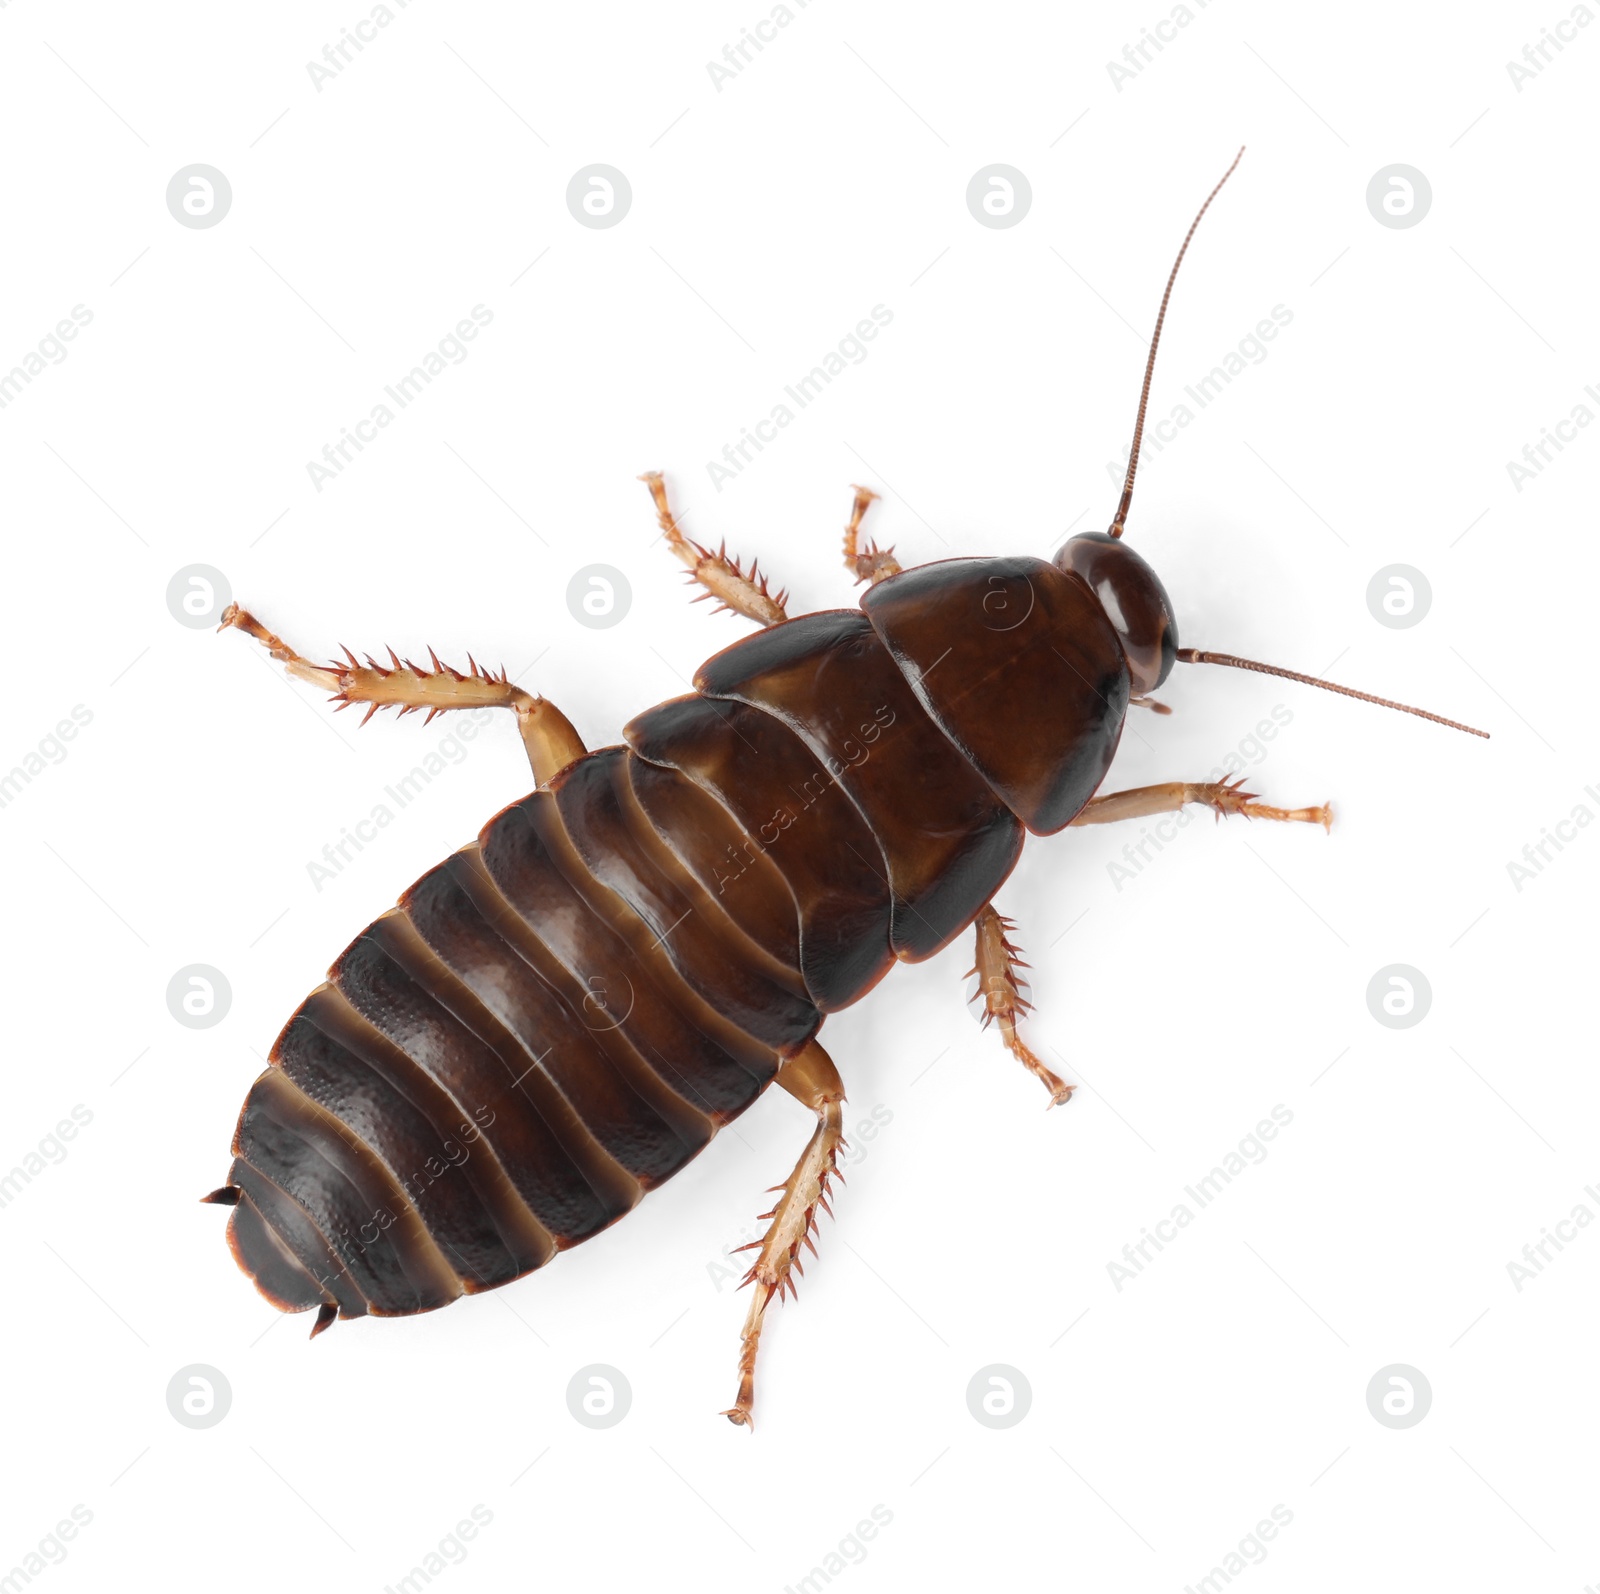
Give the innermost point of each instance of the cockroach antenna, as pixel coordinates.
(1120, 519)
(1198, 656)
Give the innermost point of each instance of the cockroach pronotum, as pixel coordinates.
(563, 1014)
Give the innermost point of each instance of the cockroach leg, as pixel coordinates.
(1004, 1002)
(872, 563)
(1222, 797)
(723, 577)
(547, 733)
(810, 1077)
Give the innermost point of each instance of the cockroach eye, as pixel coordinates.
(1134, 600)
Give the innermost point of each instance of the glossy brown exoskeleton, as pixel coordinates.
(563, 1013)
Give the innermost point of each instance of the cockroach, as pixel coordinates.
(561, 1015)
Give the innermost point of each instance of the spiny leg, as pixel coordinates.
(547, 733)
(1220, 796)
(872, 563)
(1002, 988)
(723, 578)
(810, 1077)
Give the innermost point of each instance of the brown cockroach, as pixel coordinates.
(562, 1014)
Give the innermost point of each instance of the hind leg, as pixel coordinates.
(1002, 988)
(811, 1078)
(547, 733)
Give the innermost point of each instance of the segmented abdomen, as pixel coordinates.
(561, 1015)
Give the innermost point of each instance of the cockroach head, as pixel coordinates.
(1134, 600)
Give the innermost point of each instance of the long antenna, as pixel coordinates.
(1149, 370)
(1196, 656)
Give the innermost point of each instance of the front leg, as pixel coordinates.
(547, 733)
(1140, 802)
(871, 564)
(723, 578)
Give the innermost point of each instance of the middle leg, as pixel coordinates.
(1004, 1003)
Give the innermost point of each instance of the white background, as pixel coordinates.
(1228, 977)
